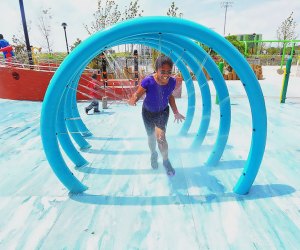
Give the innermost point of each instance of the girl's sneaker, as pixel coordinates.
(169, 169)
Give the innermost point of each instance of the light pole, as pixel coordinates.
(26, 32)
(64, 26)
(225, 5)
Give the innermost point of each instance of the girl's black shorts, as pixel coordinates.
(155, 119)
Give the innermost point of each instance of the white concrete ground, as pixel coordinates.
(130, 206)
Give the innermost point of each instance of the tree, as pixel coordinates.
(19, 45)
(263, 48)
(44, 24)
(108, 14)
(132, 11)
(104, 16)
(18, 40)
(286, 31)
(173, 11)
(75, 44)
(236, 43)
(273, 51)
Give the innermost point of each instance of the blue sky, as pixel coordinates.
(261, 17)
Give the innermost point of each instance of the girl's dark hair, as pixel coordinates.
(162, 60)
(1, 36)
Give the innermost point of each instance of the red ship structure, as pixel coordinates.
(20, 81)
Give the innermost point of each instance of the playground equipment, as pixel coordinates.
(8, 52)
(285, 80)
(174, 37)
(34, 52)
(285, 42)
(221, 68)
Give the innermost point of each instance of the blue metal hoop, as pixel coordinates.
(100, 41)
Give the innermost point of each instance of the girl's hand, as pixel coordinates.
(178, 117)
(131, 102)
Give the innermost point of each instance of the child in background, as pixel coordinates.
(94, 87)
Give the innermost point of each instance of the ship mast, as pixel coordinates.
(25, 32)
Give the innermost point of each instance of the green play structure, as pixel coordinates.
(285, 42)
(285, 81)
(286, 71)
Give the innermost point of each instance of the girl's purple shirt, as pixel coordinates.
(157, 96)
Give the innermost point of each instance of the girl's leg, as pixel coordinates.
(152, 143)
(154, 155)
(163, 148)
(162, 142)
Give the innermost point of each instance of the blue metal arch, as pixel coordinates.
(190, 48)
(91, 47)
(201, 55)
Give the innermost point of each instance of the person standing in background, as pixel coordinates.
(94, 87)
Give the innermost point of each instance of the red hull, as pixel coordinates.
(23, 84)
(27, 84)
